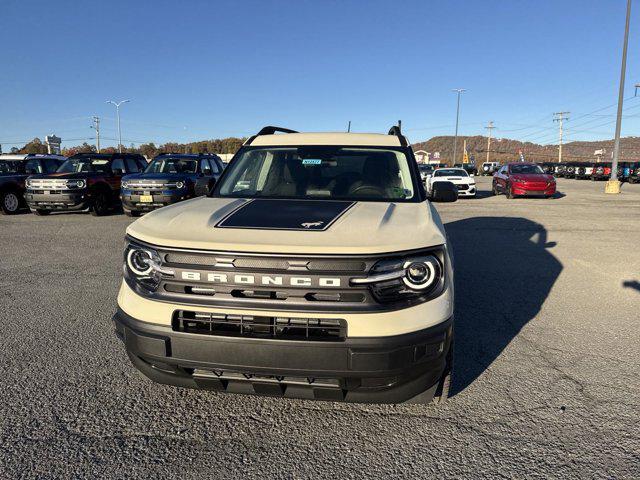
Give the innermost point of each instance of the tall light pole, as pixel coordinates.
(96, 127)
(117, 104)
(455, 138)
(613, 185)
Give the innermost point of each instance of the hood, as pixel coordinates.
(291, 226)
(532, 177)
(68, 176)
(161, 177)
(454, 180)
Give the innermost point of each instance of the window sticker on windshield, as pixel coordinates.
(311, 161)
(99, 162)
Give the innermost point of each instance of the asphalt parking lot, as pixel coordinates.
(546, 380)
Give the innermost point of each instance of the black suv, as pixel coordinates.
(548, 167)
(87, 181)
(168, 179)
(470, 168)
(634, 172)
(14, 170)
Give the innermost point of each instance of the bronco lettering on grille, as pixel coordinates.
(256, 279)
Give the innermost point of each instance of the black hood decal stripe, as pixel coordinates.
(272, 214)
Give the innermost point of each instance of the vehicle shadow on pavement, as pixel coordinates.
(633, 284)
(504, 273)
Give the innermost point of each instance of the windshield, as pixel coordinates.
(85, 164)
(319, 172)
(8, 166)
(450, 172)
(526, 169)
(172, 165)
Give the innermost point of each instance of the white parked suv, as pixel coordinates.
(316, 268)
(489, 168)
(464, 182)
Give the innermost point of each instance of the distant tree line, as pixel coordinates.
(150, 150)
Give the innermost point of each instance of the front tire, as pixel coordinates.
(494, 189)
(100, 204)
(444, 385)
(509, 192)
(9, 203)
(42, 213)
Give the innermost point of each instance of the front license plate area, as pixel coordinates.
(146, 198)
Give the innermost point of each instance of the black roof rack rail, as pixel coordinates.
(395, 130)
(269, 130)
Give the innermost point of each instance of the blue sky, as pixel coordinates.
(209, 69)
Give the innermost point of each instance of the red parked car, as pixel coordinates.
(520, 179)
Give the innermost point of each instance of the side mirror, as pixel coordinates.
(472, 174)
(117, 171)
(204, 186)
(444, 192)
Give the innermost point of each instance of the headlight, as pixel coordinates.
(76, 183)
(179, 184)
(28, 183)
(143, 266)
(411, 279)
(124, 184)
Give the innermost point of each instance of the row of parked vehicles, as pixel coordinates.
(101, 183)
(627, 171)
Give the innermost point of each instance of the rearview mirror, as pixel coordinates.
(444, 192)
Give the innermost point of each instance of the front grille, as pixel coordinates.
(253, 326)
(462, 187)
(150, 185)
(230, 280)
(48, 184)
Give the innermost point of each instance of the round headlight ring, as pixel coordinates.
(138, 261)
(421, 274)
(179, 184)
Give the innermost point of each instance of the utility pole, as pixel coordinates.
(560, 118)
(117, 104)
(349, 127)
(489, 127)
(96, 127)
(613, 185)
(455, 138)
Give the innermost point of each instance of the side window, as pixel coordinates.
(51, 165)
(117, 164)
(215, 168)
(205, 168)
(33, 165)
(142, 164)
(132, 166)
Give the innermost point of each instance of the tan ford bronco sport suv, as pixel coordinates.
(315, 268)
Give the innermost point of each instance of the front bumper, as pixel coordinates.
(134, 202)
(66, 201)
(470, 191)
(524, 191)
(387, 369)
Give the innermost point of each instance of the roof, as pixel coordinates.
(327, 138)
